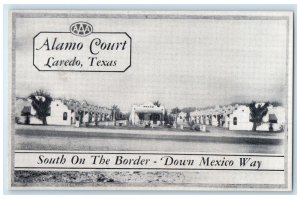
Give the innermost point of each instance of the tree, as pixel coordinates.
(157, 103)
(257, 113)
(115, 113)
(166, 117)
(126, 116)
(276, 103)
(175, 111)
(41, 101)
(188, 109)
(187, 117)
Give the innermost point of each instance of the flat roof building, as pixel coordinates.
(142, 114)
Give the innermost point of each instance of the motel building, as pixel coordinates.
(58, 113)
(237, 117)
(63, 112)
(181, 118)
(87, 114)
(147, 114)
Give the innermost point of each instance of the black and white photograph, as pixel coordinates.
(151, 100)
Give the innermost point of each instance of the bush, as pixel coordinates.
(196, 127)
(191, 124)
(17, 120)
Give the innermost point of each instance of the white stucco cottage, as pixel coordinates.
(59, 114)
(143, 114)
(238, 117)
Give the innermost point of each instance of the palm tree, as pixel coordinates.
(156, 103)
(114, 111)
(257, 113)
(41, 101)
(175, 111)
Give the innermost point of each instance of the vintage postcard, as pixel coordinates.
(151, 100)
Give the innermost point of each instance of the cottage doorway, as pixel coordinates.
(155, 117)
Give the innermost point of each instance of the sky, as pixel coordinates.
(181, 63)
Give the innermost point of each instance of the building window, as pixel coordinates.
(235, 121)
(65, 116)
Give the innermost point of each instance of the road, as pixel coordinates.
(100, 139)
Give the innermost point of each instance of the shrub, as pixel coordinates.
(17, 120)
(196, 127)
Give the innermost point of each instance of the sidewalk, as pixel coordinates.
(214, 132)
